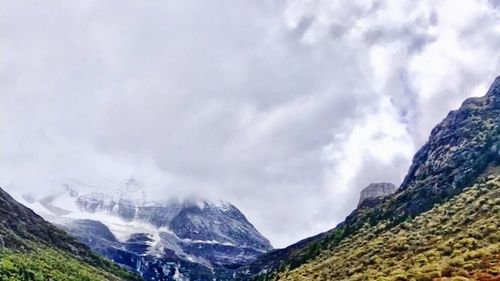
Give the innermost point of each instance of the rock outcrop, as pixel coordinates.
(376, 191)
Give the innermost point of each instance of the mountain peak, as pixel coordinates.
(494, 90)
(156, 236)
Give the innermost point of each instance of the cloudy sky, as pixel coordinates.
(285, 108)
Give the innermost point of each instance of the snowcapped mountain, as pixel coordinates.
(173, 239)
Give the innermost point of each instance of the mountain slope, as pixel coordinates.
(459, 238)
(461, 149)
(33, 249)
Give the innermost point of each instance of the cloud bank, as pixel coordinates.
(285, 108)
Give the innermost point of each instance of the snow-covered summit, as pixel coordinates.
(188, 230)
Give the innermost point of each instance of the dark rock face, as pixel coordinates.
(460, 150)
(376, 191)
(92, 233)
(139, 243)
(223, 223)
(133, 253)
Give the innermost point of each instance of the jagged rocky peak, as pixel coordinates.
(495, 87)
(494, 91)
(459, 149)
(491, 99)
(376, 190)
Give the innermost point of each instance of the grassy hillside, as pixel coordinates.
(43, 263)
(457, 240)
(33, 249)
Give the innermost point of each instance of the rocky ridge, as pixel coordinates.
(461, 150)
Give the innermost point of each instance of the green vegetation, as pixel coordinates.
(457, 240)
(33, 249)
(42, 263)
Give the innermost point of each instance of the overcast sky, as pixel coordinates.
(285, 108)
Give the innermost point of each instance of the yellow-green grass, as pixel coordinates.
(457, 240)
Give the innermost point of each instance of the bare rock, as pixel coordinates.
(376, 190)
